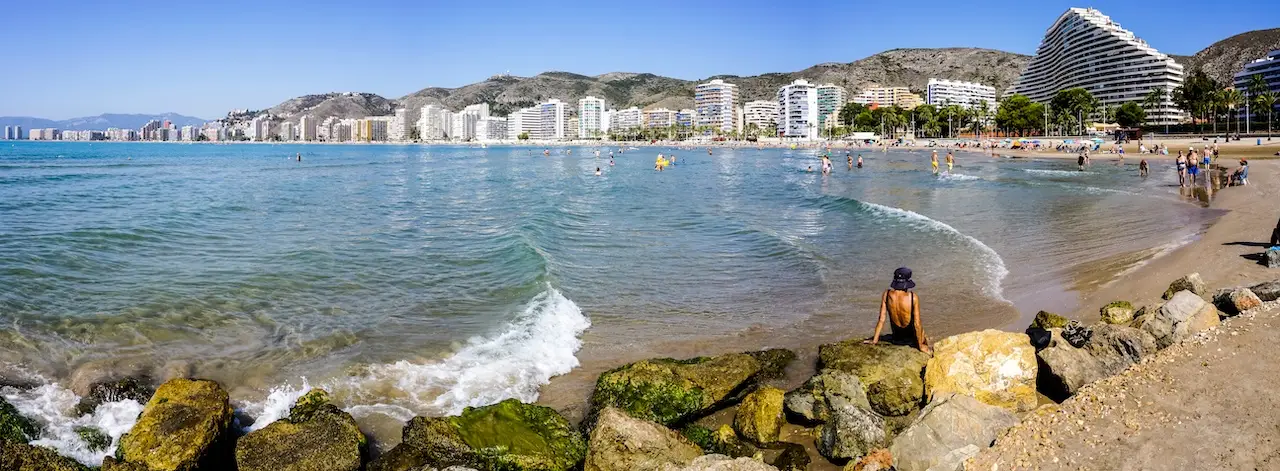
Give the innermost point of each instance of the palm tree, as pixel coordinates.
(1231, 100)
(1257, 86)
(1267, 100)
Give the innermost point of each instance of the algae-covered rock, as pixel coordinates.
(998, 368)
(891, 374)
(94, 439)
(23, 457)
(184, 426)
(1047, 320)
(808, 403)
(950, 422)
(721, 463)
(110, 463)
(13, 426)
(1192, 283)
(759, 417)
(507, 436)
(136, 388)
(670, 391)
(721, 441)
(317, 436)
(623, 443)
(850, 432)
(793, 457)
(1118, 313)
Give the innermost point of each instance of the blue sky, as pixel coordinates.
(68, 59)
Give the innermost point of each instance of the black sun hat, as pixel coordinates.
(902, 279)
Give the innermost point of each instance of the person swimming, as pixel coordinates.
(299, 156)
(1143, 170)
(810, 169)
(597, 171)
(610, 161)
(849, 157)
(902, 307)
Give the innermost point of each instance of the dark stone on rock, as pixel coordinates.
(1039, 337)
(1048, 320)
(892, 374)
(1233, 301)
(14, 427)
(1268, 291)
(672, 392)
(1077, 334)
(1191, 283)
(138, 389)
(792, 458)
(95, 439)
(850, 432)
(24, 457)
(186, 425)
(507, 436)
(950, 422)
(317, 436)
(722, 441)
(808, 403)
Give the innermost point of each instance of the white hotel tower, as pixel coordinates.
(1084, 48)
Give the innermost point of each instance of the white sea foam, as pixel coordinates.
(1060, 173)
(275, 406)
(540, 343)
(52, 406)
(958, 177)
(993, 266)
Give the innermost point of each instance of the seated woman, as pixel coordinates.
(903, 309)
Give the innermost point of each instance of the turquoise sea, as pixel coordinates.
(423, 279)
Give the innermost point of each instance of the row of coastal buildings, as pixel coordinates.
(1083, 48)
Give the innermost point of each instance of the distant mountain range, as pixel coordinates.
(100, 122)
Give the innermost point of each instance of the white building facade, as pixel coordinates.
(591, 118)
(967, 95)
(763, 114)
(715, 103)
(797, 116)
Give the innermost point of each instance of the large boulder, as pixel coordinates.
(136, 388)
(186, 425)
(808, 403)
(507, 436)
(951, 422)
(850, 432)
(1191, 283)
(1118, 313)
(998, 368)
(1233, 301)
(793, 457)
(1271, 258)
(759, 417)
(14, 427)
(317, 436)
(671, 392)
(1185, 314)
(891, 374)
(720, 463)
(1048, 320)
(23, 457)
(1267, 291)
(622, 443)
(1064, 368)
(721, 441)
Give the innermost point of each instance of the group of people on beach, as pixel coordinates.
(951, 162)
(827, 166)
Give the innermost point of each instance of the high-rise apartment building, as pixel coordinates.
(686, 118)
(659, 118)
(286, 132)
(434, 123)
(967, 95)
(798, 110)
(716, 102)
(397, 127)
(1267, 67)
(1086, 49)
(306, 128)
(763, 114)
(591, 119)
(17, 132)
(552, 120)
(625, 120)
(831, 98)
(491, 128)
(888, 96)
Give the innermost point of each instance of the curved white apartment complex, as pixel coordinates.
(1084, 48)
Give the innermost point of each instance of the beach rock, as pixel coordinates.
(722, 441)
(1268, 291)
(136, 388)
(1234, 301)
(891, 374)
(949, 423)
(998, 368)
(793, 457)
(317, 436)
(720, 463)
(1191, 283)
(759, 417)
(1185, 314)
(1118, 313)
(1064, 368)
(14, 427)
(184, 426)
(507, 436)
(23, 457)
(954, 461)
(621, 443)
(94, 438)
(850, 431)
(1048, 320)
(808, 403)
(110, 463)
(1271, 258)
(1121, 345)
(773, 362)
(670, 392)
(879, 459)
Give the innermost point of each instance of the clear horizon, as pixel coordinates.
(71, 60)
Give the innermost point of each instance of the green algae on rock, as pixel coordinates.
(95, 439)
(1048, 320)
(759, 417)
(185, 426)
(671, 392)
(24, 457)
(13, 426)
(317, 436)
(891, 374)
(507, 436)
(722, 441)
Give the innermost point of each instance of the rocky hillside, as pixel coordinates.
(505, 93)
(1223, 59)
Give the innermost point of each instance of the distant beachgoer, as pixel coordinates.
(1142, 168)
(810, 169)
(1275, 235)
(859, 161)
(1193, 170)
(1182, 169)
(546, 152)
(597, 171)
(1241, 175)
(299, 156)
(1080, 161)
(610, 161)
(597, 153)
(934, 160)
(902, 306)
(951, 161)
(850, 158)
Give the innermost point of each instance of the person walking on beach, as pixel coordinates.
(1080, 161)
(934, 160)
(1182, 169)
(859, 161)
(951, 161)
(1142, 168)
(903, 309)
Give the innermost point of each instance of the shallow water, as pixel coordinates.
(420, 280)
